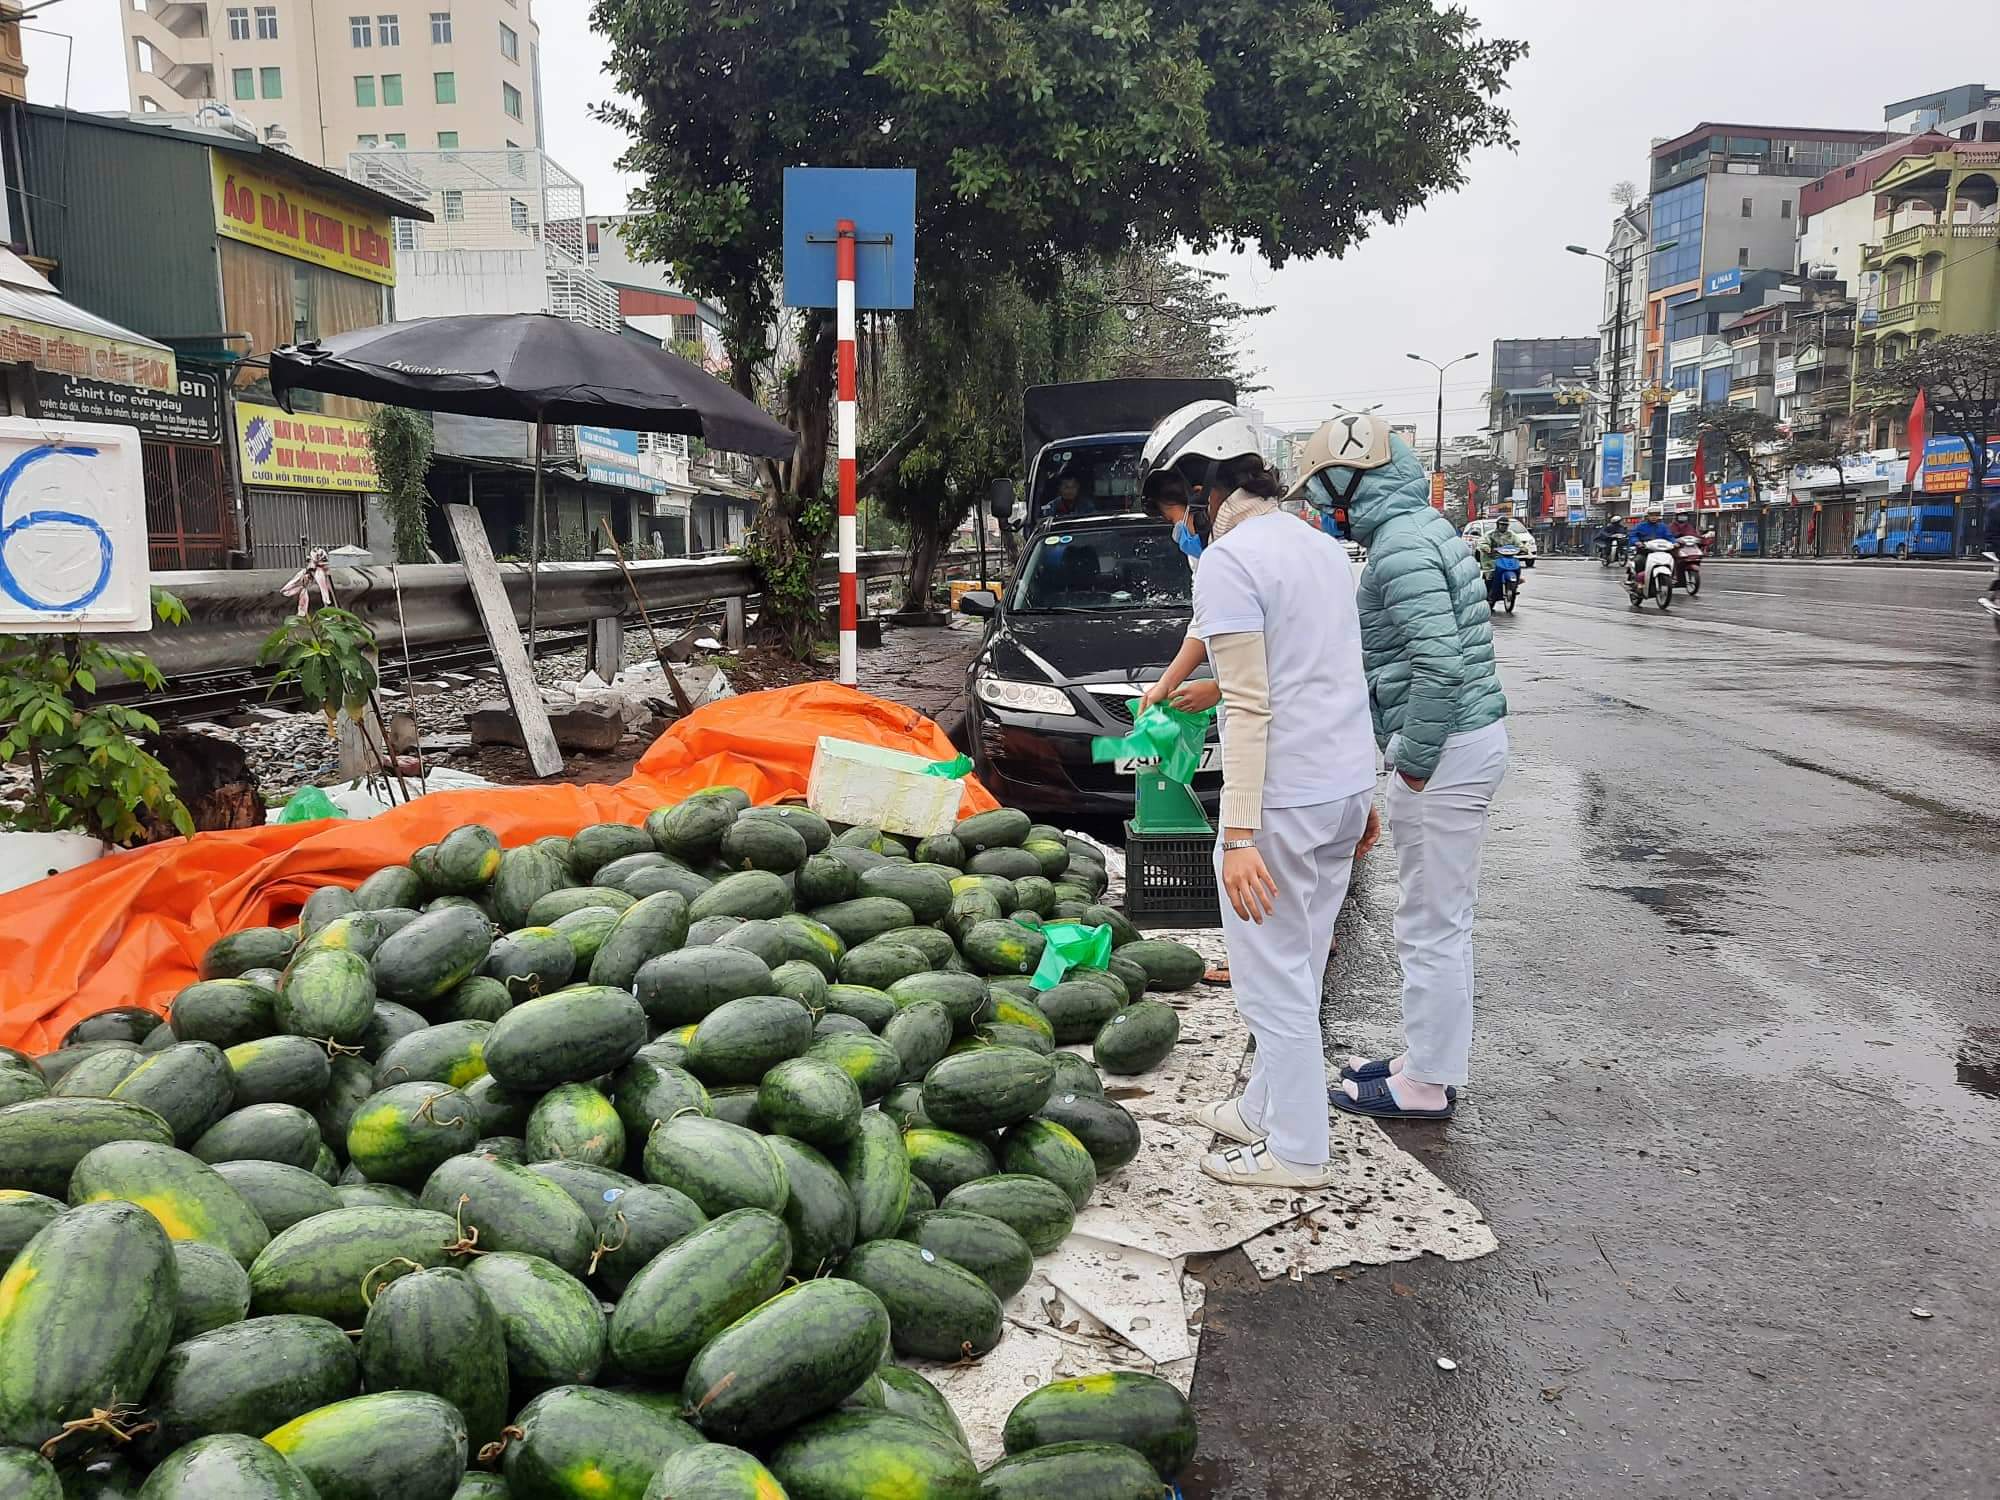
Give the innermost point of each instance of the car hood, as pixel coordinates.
(1111, 647)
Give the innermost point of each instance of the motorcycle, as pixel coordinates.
(1610, 551)
(1688, 553)
(1506, 578)
(1990, 600)
(1649, 574)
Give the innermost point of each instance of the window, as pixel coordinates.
(367, 142)
(510, 44)
(391, 28)
(1677, 216)
(1680, 471)
(440, 27)
(510, 100)
(454, 206)
(392, 88)
(517, 215)
(1685, 377)
(447, 140)
(243, 83)
(273, 82)
(360, 31)
(1135, 570)
(406, 233)
(1784, 208)
(1715, 386)
(1746, 208)
(148, 106)
(143, 50)
(267, 23)
(139, 5)
(397, 139)
(446, 87)
(364, 90)
(1743, 257)
(239, 23)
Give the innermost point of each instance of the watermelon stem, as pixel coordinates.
(426, 1111)
(368, 1288)
(111, 1421)
(492, 1451)
(715, 1390)
(602, 1250)
(467, 1242)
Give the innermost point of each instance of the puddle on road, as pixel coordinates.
(1978, 1061)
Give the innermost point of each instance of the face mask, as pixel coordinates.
(1186, 539)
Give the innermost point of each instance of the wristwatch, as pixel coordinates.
(1230, 846)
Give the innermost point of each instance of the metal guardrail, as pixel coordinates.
(231, 612)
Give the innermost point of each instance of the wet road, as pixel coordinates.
(1736, 1098)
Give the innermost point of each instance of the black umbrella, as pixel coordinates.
(529, 367)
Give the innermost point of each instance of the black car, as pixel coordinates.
(1096, 610)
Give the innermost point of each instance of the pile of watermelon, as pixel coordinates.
(620, 1166)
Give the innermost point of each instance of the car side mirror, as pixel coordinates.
(979, 603)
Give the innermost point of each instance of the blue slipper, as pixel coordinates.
(1377, 1103)
(1379, 1068)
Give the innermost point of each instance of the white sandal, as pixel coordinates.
(1255, 1166)
(1226, 1120)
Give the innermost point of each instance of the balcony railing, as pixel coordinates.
(1909, 312)
(1914, 233)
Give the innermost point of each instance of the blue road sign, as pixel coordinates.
(882, 202)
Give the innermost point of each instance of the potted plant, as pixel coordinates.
(88, 777)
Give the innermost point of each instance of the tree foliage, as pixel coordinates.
(1747, 436)
(401, 440)
(1959, 375)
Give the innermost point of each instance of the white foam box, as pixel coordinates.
(887, 789)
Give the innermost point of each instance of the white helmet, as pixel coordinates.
(1354, 440)
(1211, 430)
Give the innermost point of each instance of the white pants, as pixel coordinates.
(1278, 968)
(1439, 833)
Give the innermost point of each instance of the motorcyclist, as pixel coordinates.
(1608, 536)
(1651, 529)
(1489, 556)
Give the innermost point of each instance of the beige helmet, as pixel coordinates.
(1354, 440)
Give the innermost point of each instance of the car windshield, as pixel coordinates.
(1099, 479)
(1134, 567)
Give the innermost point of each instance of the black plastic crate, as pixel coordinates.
(1170, 880)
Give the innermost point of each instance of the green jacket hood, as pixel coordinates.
(1398, 488)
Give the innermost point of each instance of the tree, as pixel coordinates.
(1746, 435)
(1959, 375)
(1820, 453)
(400, 440)
(1039, 135)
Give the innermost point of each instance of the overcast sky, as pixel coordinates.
(1601, 80)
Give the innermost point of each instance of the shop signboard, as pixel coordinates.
(1720, 283)
(1948, 465)
(611, 456)
(68, 351)
(286, 217)
(191, 414)
(305, 450)
(1785, 379)
(1734, 495)
(1611, 458)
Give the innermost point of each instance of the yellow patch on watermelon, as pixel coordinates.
(893, 1479)
(471, 1070)
(19, 1277)
(378, 1132)
(1101, 1383)
(765, 1487)
(172, 1213)
(588, 1479)
(10, 1193)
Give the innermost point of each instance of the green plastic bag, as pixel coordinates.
(1070, 945)
(308, 803)
(1162, 734)
(950, 770)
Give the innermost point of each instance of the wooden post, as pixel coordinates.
(604, 652)
(732, 624)
(504, 631)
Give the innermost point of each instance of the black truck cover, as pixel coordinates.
(1082, 407)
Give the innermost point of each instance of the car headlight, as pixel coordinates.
(1024, 697)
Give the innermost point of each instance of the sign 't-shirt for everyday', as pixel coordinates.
(1294, 585)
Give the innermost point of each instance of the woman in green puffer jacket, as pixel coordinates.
(1440, 721)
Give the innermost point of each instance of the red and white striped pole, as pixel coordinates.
(843, 269)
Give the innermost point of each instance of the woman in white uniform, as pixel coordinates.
(1274, 606)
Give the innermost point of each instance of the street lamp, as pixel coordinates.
(1438, 465)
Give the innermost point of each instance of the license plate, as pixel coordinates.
(1211, 759)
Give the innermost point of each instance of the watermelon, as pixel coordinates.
(452, 1053)
(826, 880)
(787, 1359)
(1042, 1148)
(819, 1209)
(810, 1099)
(908, 1394)
(693, 1290)
(750, 895)
(403, 1132)
(655, 925)
(762, 844)
(187, 1085)
(712, 1471)
(436, 1331)
(1141, 1412)
(327, 995)
(86, 1316)
(905, 1105)
(873, 1008)
(262, 1132)
(693, 829)
(921, 1034)
(685, 986)
(599, 844)
(211, 1289)
(580, 1443)
(1104, 1126)
(1169, 965)
(646, 1091)
(1137, 1039)
(349, 1084)
(42, 1140)
(227, 1463)
(181, 1191)
(585, 930)
(924, 889)
(552, 1323)
(1008, 864)
(318, 1265)
(246, 1375)
(23, 1215)
(813, 830)
(1074, 1074)
(990, 1250)
(512, 1208)
(526, 874)
(876, 1168)
(1002, 948)
(800, 981)
(475, 999)
(569, 1037)
(501, 1111)
(636, 1224)
(872, 1063)
(433, 955)
(945, 1159)
(719, 1165)
(387, 1025)
(859, 1455)
(222, 1011)
(465, 860)
(393, 886)
(278, 1194)
(963, 995)
(249, 948)
(121, 1023)
(530, 961)
(93, 1077)
(878, 964)
(987, 1089)
(407, 1444)
(937, 1310)
(1033, 1207)
(278, 1070)
(574, 1122)
(740, 1040)
(940, 849)
(864, 917)
(1004, 827)
(1077, 1008)
(737, 1105)
(1075, 1471)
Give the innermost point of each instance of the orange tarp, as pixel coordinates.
(131, 928)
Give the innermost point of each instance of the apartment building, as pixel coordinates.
(322, 83)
